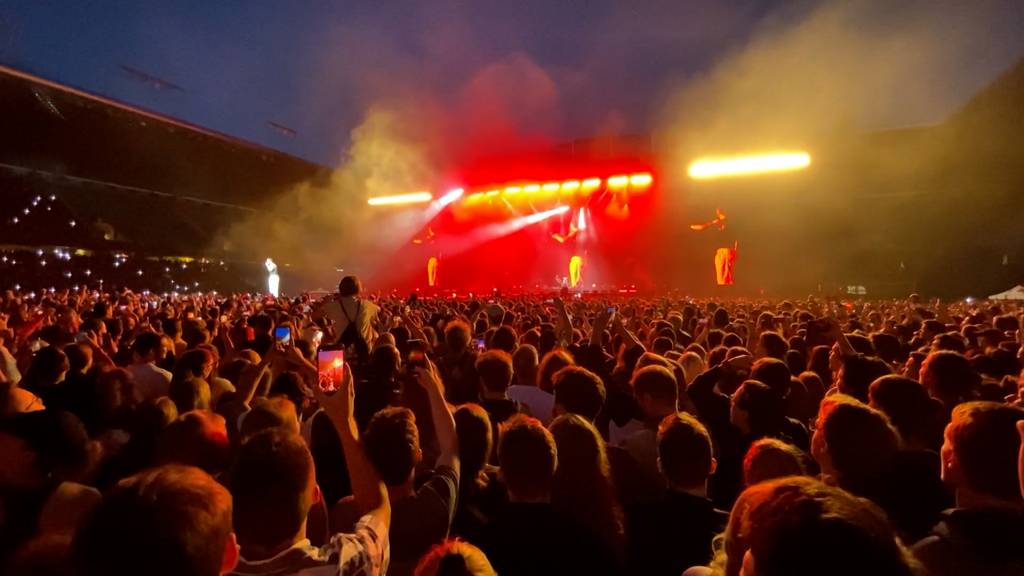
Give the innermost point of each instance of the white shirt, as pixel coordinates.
(540, 403)
(367, 312)
(150, 382)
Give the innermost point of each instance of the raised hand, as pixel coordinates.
(429, 378)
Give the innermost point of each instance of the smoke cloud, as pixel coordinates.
(836, 82)
(808, 74)
(319, 227)
(406, 142)
(842, 67)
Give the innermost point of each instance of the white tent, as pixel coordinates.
(1015, 293)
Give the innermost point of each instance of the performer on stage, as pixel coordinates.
(273, 280)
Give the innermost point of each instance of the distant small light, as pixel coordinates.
(72, 223)
(53, 197)
(26, 211)
(14, 220)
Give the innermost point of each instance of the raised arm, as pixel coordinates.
(444, 423)
(628, 338)
(99, 356)
(249, 380)
(836, 331)
(367, 488)
(563, 325)
(597, 330)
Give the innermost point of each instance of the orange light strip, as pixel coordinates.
(635, 181)
(586, 186)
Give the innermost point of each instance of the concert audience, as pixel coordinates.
(180, 434)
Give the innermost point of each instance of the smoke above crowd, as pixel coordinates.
(845, 67)
(806, 73)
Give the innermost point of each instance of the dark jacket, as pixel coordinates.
(674, 533)
(975, 541)
(534, 540)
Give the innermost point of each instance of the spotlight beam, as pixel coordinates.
(397, 199)
(727, 167)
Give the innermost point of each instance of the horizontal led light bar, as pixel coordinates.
(588, 185)
(413, 198)
(711, 168)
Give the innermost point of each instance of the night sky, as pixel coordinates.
(315, 66)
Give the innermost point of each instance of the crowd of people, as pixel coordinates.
(526, 435)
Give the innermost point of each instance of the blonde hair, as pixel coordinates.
(692, 365)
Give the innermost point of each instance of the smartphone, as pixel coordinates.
(611, 310)
(416, 359)
(330, 366)
(479, 344)
(283, 334)
(417, 345)
(81, 337)
(818, 333)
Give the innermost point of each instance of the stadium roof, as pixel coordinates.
(54, 129)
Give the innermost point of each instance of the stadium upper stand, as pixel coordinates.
(129, 179)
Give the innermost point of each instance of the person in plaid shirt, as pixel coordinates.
(273, 485)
